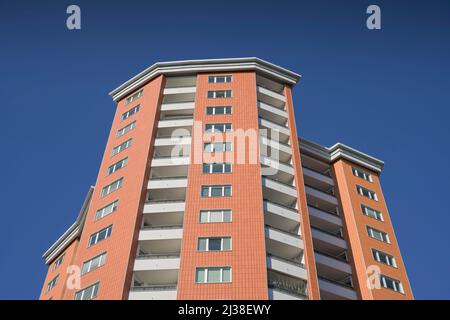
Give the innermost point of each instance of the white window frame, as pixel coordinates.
(95, 288)
(115, 167)
(398, 286)
(226, 78)
(52, 284)
(211, 165)
(113, 186)
(206, 269)
(121, 147)
(362, 174)
(219, 127)
(378, 215)
(58, 262)
(208, 213)
(134, 96)
(90, 266)
(370, 194)
(212, 94)
(126, 129)
(371, 230)
(210, 188)
(390, 258)
(215, 108)
(96, 235)
(106, 210)
(130, 112)
(221, 244)
(210, 147)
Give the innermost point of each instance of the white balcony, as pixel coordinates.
(167, 183)
(279, 193)
(278, 294)
(156, 262)
(164, 207)
(274, 131)
(270, 97)
(281, 217)
(286, 267)
(180, 90)
(160, 234)
(317, 177)
(283, 244)
(172, 141)
(321, 196)
(324, 220)
(272, 113)
(170, 161)
(176, 123)
(272, 148)
(175, 146)
(154, 293)
(332, 267)
(178, 106)
(327, 242)
(333, 291)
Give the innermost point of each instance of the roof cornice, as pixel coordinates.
(205, 65)
(71, 233)
(341, 151)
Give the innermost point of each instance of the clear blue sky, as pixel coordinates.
(384, 92)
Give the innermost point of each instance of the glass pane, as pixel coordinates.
(208, 128)
(216, 192)
(228, 146)
(85, 268)
(228, 167)
(217, 168)
(226, 275)
(227, 191)
(200, 275)
(228, 109)
(205, 191)
(226, 244)
(203, 216)
(214, 244)
(210, 94)
(216, 216)
(227, 216)
(209, 110)
(206, 168)
(202, 244)
(214, 275)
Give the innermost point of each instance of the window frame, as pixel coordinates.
(214, 108)
(121, 147)
(212, 94)
(362, 174)
(134, 96)
(211, 165)
(207, 269)
(222, 238)
(210, 187)
(58, 262)
(130, 112)
(390, 258)
(95, 235)
(115, 206)
(378, 214)
(227, 78)
(96, 289)
(52, 283)
(125, 129)
(385, 235)
(113, 168)
(107, 190)
(102, 257)
(224, 144)
(372, 195)
(397, 284)
(222, 212)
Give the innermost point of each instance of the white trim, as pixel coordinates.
(204, 65)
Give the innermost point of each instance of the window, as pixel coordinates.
(118, 165)
(58, 262)
(216, 191)
(361, 174)
(88, 293)
(121, 147)
(112, 187)
(216, 94)
(390, 283)
(103, 212)
(217, 147)
(219, 79)
(367, 193)
(218, 110)
(52, 283)
(100, 236)
(214, 244)
(384, 258)
(130, 112)
(126, 129)
(213, 275)
(210, 216)
(372, 212)
(219, 127)
(377, 234)
(133, 97)
(94, 263)
(217, 167)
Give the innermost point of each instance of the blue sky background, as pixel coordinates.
(384, 92)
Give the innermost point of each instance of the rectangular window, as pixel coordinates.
(88, 293)
(118, 165)
(216, 191)
(52, 283)
(384, 258)
(367, 193)
(100, 236)
(219, 79)
(377, 234)
(58, 262)
(361, 174)
(217, 167)
(213, 275)
(218, 110)
(211, 216)
(121, 147)
(217, 147)
(218, 127)
(390, 283)
(130, 112)
(134, 97)
(93, 263)
(110, 188)
(103, 212)
(372, 212)
(217, 94)
(126, 129)
(214, 244)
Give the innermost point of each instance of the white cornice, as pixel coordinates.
(341, 151)
(205, 65)
(71, 233)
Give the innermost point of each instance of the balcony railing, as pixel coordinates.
(298, 264)
(158, 256)
(167, 178)
(290, 288)
(328, 232)
(154, 287)
(283, 231)
(331, 256)
(165, 201)
(345, 285)
(323, 210)
(329, 193)
(327, 174)
(156, 227)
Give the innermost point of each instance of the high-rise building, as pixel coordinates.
(205, 191)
